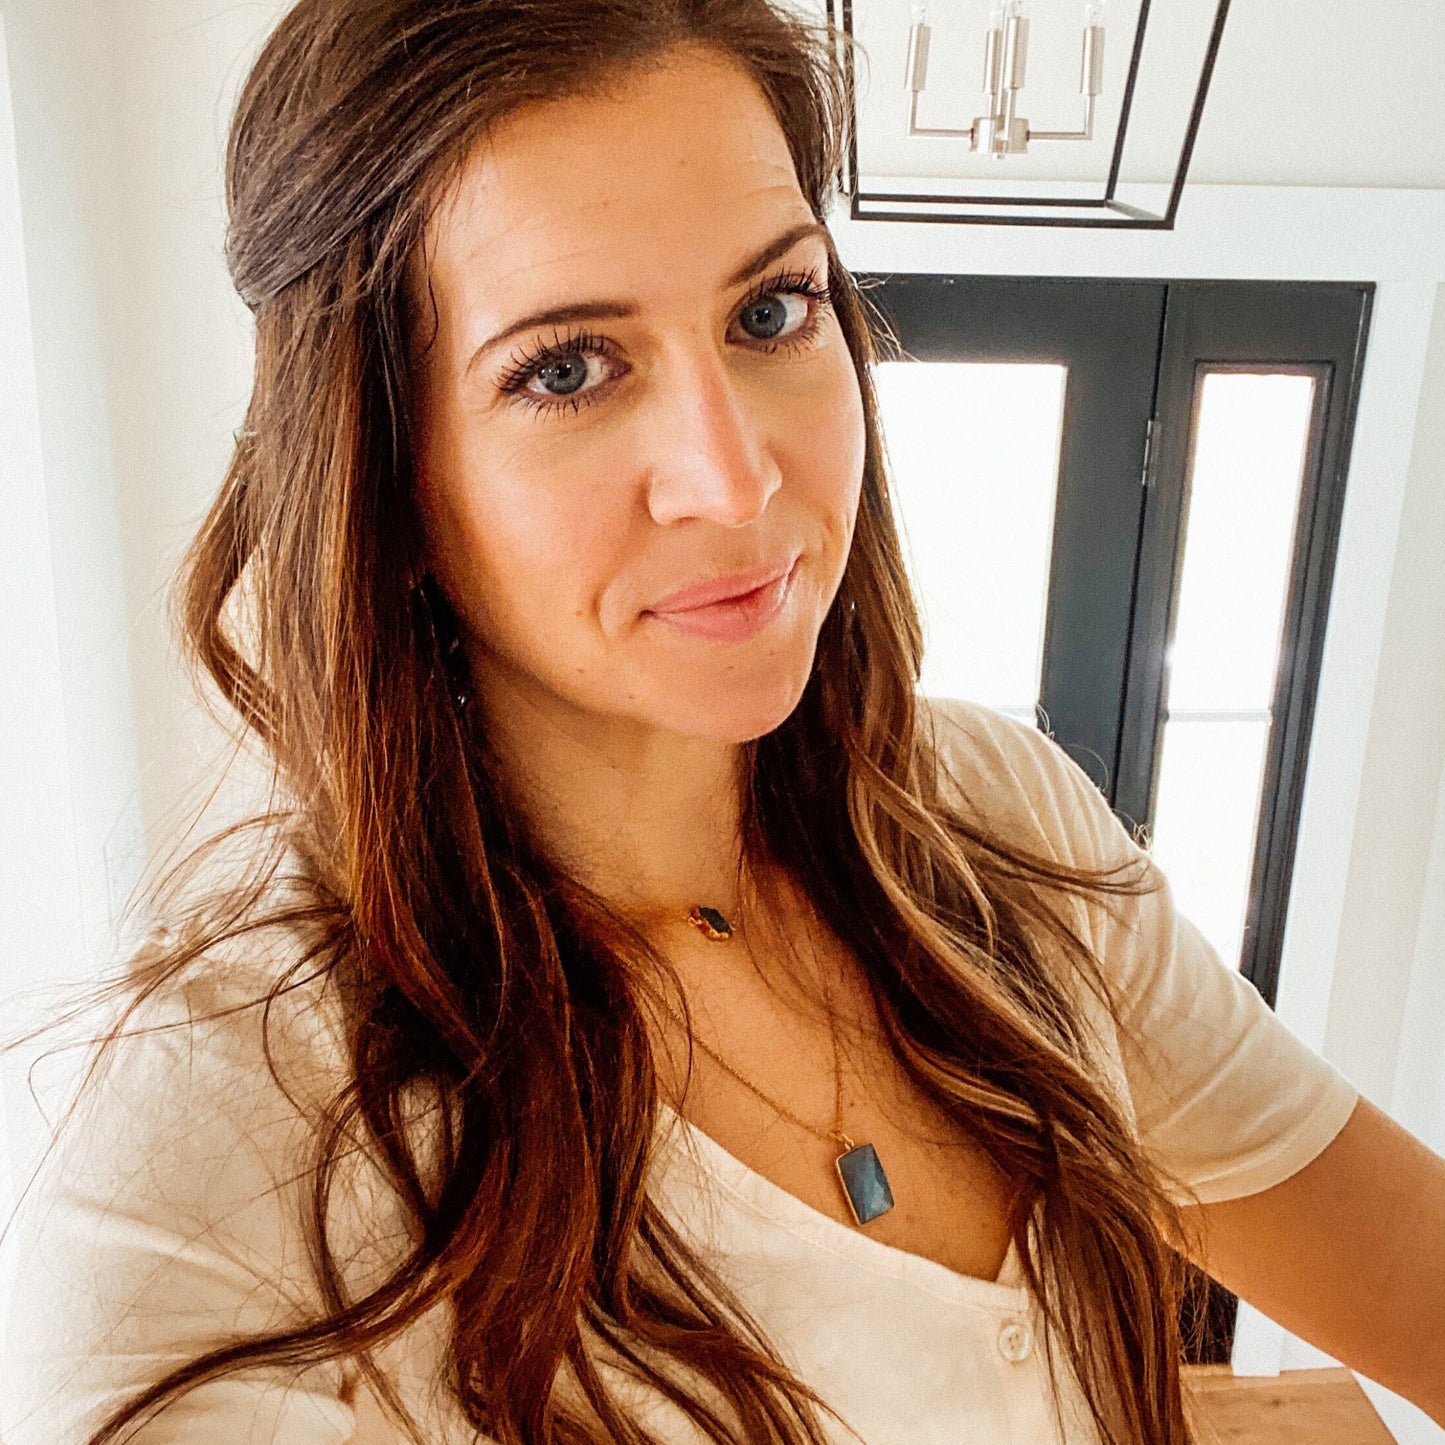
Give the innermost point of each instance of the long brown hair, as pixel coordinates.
(470, 964)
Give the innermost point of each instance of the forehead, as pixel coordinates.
(668, 176)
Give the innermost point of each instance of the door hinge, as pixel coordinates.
(1145, 477)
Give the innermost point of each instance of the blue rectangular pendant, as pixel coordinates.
(864, 1183)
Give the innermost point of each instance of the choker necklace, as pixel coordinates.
(860, 1172)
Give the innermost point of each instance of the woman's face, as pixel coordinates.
(684, 412)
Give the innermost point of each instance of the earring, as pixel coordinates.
(446, 637)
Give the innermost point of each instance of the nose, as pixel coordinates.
(710, 457)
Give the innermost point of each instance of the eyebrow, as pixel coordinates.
(619, 310)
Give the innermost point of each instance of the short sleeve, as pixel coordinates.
(1226, 1099)
(166, 1221)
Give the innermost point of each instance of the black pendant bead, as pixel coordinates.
(711, 923)
(864, 1183)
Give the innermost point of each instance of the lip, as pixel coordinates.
(734, 618)
(722, 589)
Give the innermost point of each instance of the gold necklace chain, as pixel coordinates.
(836, 1132)
(860, 1172)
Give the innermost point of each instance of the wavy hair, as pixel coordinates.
(470, 964)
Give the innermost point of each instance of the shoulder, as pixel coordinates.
(171, 1211)
(195, 1122)
(251, 1032)
(177, 1208)
(1017, 781)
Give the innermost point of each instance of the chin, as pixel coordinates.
(732, 707)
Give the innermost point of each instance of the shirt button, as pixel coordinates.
(1015, 1341)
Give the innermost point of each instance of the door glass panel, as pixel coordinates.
(1247, 463)
(974, 452)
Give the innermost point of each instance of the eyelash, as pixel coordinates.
(526, 364)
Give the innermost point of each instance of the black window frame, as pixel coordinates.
(1317, 329)
(1107, 333)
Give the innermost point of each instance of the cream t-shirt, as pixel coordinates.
(169, 1216)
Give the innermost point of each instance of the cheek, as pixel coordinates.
(526, 545)
(826, 451)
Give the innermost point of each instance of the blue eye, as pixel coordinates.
(561, 367)
(768, 300)
(569, 373)
(773, 315)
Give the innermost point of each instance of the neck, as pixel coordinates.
(648, 819)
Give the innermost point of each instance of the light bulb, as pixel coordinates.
(920, 15)
(1093, 12)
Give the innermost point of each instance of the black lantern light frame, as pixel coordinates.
(1107, 210)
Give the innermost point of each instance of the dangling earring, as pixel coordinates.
(442, 624)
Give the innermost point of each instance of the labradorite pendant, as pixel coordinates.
(710, 923)
(864, 1183)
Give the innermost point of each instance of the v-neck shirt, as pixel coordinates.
(171, 1212)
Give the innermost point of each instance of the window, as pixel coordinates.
(979, 444)
(1248, 448)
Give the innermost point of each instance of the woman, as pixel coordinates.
(556, 571)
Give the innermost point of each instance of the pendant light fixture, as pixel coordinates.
(961, 134)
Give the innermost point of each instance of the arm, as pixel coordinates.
(1315, 1207)
(1349, 1254)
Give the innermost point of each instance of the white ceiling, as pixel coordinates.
(1342, 94)
(1303, 94)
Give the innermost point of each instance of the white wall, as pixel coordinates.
(1385, 967)
(129, 362)
(67, 569)
(124, 365)
(181, 354)
(69, 764)
(1396, 905)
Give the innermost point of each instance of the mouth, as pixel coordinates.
(737, 614)
(732, 588)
